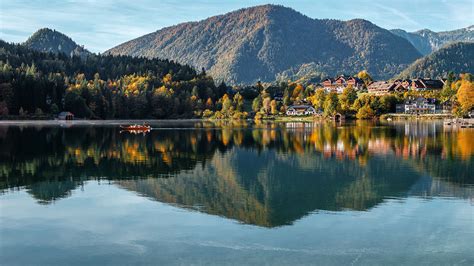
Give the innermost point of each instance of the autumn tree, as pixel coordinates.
(298, 92)
(273, 105)
(266, 107)
(238, 102)
(347, 99)
(331, 104)
(209, 104)
(365, 112)
(226, 104)
(465, 97)
(318, 99)
(365, 77)
(257, 103)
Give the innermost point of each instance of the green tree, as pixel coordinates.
(331, 104)
(347, 99)
(387, 103)
(54, 109)
(365, 113)
(286, 97)
(257, 103)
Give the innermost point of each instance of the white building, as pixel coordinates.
(419, 106)
(298, 110)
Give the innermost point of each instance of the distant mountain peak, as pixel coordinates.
(424, 31)
(266, 8)
(428, 41)
(50, 40)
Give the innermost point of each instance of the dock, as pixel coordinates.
(459, 122)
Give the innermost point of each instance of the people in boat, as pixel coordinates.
(137, 127)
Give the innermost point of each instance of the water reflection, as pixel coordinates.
(268, 174)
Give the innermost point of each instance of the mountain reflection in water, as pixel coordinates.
(267, 174)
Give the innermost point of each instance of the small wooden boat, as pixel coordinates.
(136, 127)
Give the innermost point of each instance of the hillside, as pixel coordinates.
(108, 67)
(99, 86)
(261, 43)
(48, 40)
(427, 41)
(456, 57)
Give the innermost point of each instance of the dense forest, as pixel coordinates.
(99, 86)
(35, 84)
(456, 57)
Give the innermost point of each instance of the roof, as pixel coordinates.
(433, 83)
(300, 106)
(329, 79)
(356, 79)
(429, 83)
(65, 113)
(381, 85)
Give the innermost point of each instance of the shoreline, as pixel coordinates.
(384, 117)
(395, 116)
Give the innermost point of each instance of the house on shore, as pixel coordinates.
(446, 107)
(419, 105)
(426, 84)
(384, 87)
(65, 116)
(340, 83)
(298, 110)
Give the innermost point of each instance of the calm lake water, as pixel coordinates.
(197, 192)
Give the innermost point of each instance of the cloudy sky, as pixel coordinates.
(102, 24)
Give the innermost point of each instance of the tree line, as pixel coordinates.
(108, 87)
(100, 86)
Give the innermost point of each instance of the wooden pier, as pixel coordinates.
(459, 122)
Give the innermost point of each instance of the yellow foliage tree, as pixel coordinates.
(273, 105)
(167, 78)
(465, 96)
(298, 91)
(365, 76)
(209, 103)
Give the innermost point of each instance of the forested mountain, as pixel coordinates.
(427, 41)
(269, 41)
(455, 57)
(48, 40)
(99, 86)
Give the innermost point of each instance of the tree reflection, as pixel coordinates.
(268, 174)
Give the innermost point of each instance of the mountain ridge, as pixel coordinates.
(428, 41)
(258, 43)
(455, 57)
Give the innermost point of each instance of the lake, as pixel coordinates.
(195, 192)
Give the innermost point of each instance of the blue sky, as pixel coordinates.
(102, 24)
